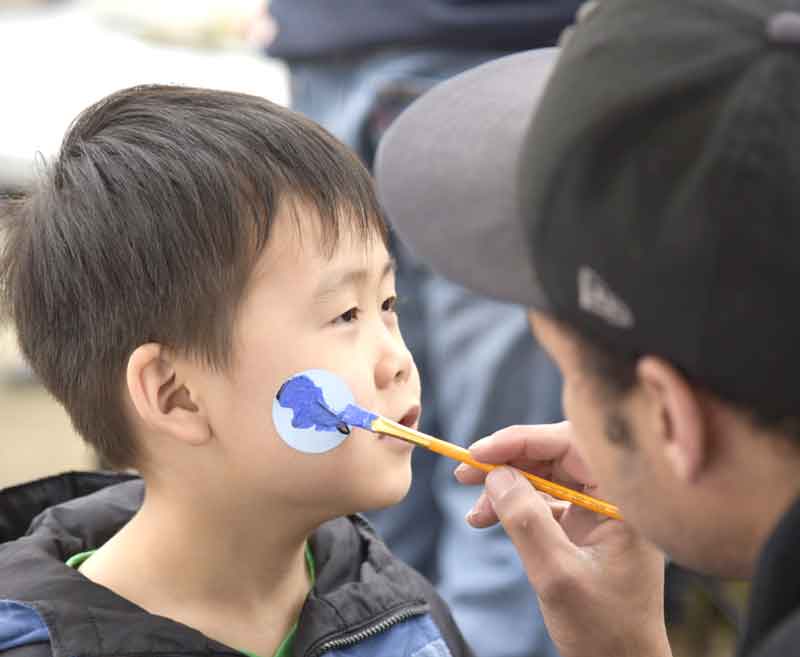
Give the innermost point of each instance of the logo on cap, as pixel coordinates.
(597, 298)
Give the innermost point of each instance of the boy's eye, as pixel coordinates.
(390, 305)
(347, 316)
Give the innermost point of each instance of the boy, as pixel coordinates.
(188, 252)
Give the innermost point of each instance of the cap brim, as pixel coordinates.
(446, 172)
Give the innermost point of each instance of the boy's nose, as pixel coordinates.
(394, 365)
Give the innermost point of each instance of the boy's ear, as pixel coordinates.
(161, 398)
(678, 418)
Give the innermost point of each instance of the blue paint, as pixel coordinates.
(311, 411)
(355, 416)
(317, 428)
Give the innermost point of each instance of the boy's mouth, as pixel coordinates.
(410, 420)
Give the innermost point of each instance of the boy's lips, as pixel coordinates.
(410, 419)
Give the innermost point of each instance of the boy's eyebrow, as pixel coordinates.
(348, 277)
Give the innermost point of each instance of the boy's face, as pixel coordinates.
(303, 310)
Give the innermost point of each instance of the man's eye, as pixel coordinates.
(390, 305)
(347, 317)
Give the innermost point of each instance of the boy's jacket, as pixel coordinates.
(365, 602)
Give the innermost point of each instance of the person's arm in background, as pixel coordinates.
(600, 585)
(486, 371)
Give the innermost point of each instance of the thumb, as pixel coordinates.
(544, 548)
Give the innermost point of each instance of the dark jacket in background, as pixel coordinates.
(318, 28)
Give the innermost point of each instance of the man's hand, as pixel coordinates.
(600, 585)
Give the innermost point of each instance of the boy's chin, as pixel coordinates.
(387, 492)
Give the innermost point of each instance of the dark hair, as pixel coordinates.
(615, 372)
(146, 228)
(616, 375)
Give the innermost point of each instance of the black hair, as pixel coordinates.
(616, 376)
(146, 228)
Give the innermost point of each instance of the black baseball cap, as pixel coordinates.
(642, 184)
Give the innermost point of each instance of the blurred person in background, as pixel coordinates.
(354, 65)
(655, 240)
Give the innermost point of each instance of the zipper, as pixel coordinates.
(380, 626)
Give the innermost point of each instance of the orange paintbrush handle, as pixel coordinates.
(391, 428)
(556, 490)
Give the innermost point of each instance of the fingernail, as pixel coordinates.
(483, 442)
(481, 507)
(461, 469)
(500, 481)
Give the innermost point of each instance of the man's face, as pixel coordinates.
(588, 410)
(303, 310)
(632, 473)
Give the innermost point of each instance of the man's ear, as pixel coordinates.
(677, 417)
(161, 398)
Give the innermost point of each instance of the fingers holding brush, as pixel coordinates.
(545, 455)
(545, 450)
(483, 515)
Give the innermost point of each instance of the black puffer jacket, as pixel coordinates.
(365, 602)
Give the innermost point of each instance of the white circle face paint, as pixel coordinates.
(309, 437)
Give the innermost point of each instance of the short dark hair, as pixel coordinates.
(616, 372)
(616, 375)
(146, 228)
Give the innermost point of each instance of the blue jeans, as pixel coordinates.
(481, 370)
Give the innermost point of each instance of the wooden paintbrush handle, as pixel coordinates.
(391, 428)
(544, 485)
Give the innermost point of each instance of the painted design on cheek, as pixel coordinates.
(305, 412)
(355, 416)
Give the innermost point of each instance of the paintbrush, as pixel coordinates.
(305, 394)
(390, 428)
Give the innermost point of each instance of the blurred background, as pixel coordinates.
(57, 58)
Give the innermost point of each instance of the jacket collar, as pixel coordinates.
(775, 592)
(20, 504)
(358, 582)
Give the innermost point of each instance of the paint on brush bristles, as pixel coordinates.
(305, 412)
